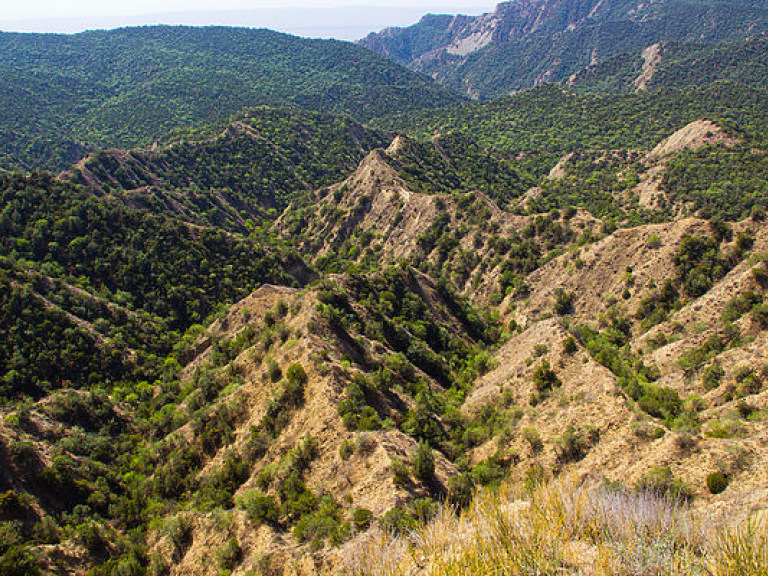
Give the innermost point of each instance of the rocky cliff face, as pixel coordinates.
(526, 42)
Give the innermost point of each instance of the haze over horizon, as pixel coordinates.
(349, 20)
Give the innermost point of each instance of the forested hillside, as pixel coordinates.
(677, 65)
(62, 94)
(237, 175)
(539, 126)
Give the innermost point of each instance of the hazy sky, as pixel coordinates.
(44, 9)
(342, 19)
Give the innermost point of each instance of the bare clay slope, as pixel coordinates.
(578, 389)
(293, 364)
(393, 208)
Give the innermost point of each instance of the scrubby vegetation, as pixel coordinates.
(204, 347)
(563, 527)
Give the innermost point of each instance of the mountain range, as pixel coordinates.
(529, 42)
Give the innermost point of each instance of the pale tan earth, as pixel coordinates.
(608, 276)
(652, 56)
(625, 443)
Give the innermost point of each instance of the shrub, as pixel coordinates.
(46, 531)
(760, 315)
(760, 274)
(571, 446)
(712, 376)
(717, 482)
(569, 345)
(544, 378)
(461, 489)
(748, 381)
(24, 457)
(660, 402)
(12, 505)
(490, 471)
(400, 474)
(661, 481)
(397, 521)
(229, 555)
(354, 409)
(362, 518)
(653, 242)
(296, 499)
(531, 435)
(320, 524)
(740, 305)
(18, 561)
(423, 509)
(346, 449)
(563, 302)
(534, 477)
(260, 507)
(540, 350)
(424, 463)
(91, 537)
(273, 370)
(296, 374)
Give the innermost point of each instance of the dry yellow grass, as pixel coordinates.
(565, 528)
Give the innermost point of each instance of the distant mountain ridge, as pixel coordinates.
(527, 42)
(60, 95)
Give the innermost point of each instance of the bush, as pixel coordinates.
(296, 374)
(18, 561)
(712, 376)
(534, 477)
(260, 507)
(660, 402)
(545, 378)
(91, 537)
(539, 350)
(273, 370)
(653, 242)
(13, 505)
(748, 381)
(760, 274)
(400, 474)
(563, 302)
(397, 521)
(229, 555)
(760, 315)
(424, 463)
(717, 482)
(423, 509)
(296, 499)
(362, 518)
(321, 524)
(569, 345)
(531, 435)
(661, 481)
(24, 457)
(346, 449)
(354, 409)
(461, 488)
(571, 446)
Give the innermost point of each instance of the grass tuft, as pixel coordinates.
(564, 528)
